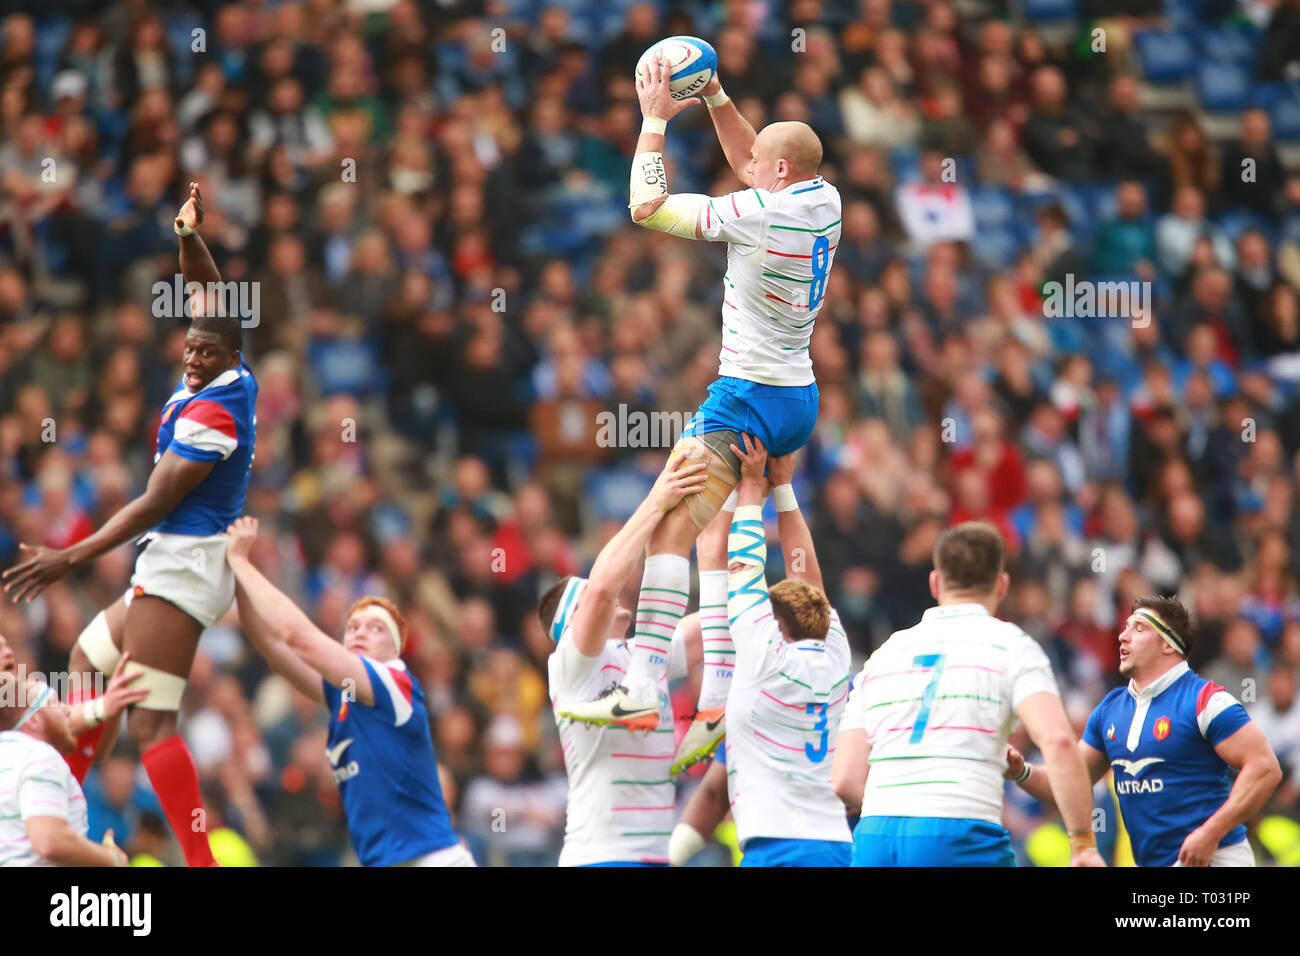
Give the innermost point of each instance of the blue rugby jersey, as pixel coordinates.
(382, 758)
(218, 423)
(1160, 743)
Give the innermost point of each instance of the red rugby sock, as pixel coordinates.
(176, 782)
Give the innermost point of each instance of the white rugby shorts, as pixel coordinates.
(187, 570)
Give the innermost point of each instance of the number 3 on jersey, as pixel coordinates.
(821, 264)
(818, 755)
(926, 661)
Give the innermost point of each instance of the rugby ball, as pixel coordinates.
(692, 63)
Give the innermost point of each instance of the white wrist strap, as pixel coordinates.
(93, 713)
(717, 99)
(653, 124)
(784, 497)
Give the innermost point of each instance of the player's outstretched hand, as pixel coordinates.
(780, 469)
(656, 98)
(29, 578)
(120, 694)
(191, 213)
(684, 476)
(241, 536)
(753, 459)
(1015, 763)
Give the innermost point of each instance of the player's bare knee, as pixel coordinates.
(149, 727)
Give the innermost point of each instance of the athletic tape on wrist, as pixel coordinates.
(717, 99)
(181, 229)
(1024, 774)
(653, 124)
(784, 497)
(93, 712)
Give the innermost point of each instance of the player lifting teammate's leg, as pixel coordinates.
(181, 582)
(781, 232)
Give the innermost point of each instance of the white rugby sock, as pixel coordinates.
(719, 652)
(665, 589)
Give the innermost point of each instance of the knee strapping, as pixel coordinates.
(96, 642)
(721, 477)
(165, 690)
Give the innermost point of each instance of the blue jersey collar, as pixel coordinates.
(1160, 684)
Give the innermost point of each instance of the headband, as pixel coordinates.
(33, 707)
(1164, 630)
(564, 610)
(382, 613)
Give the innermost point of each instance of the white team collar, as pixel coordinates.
(940, 611)
(1160, 684)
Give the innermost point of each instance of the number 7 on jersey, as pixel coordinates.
(926, 661)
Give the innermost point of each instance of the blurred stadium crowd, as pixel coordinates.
(432, 199)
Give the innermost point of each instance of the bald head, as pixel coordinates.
(785, 153)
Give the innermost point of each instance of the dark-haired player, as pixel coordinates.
(1172, 736)
(621, 796)
(181, 583)
(930, 714)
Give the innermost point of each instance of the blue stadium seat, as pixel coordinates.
(996, 247)
(1183, 14)
(906, 163)
(1222, 87)
(1226, 45)
(1166, 57)
(1049, 11)
(993, 207)
(1286, 118)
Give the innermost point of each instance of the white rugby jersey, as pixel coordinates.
(783, 718)
(779, 254)
(621, 797)
(937, 702)
(34, 782)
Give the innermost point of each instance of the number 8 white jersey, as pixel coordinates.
(937, 702)
(779, 254)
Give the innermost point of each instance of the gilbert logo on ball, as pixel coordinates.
(691, 62)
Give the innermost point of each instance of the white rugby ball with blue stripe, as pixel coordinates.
(692, 63)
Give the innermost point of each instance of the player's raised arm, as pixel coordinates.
(272, 613)
(595, 612)
(648, 197)
(197, 264)
(796, 537)
(734, 132)
(747, 544)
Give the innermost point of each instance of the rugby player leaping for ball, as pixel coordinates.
(181, 583)
(781, 232)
